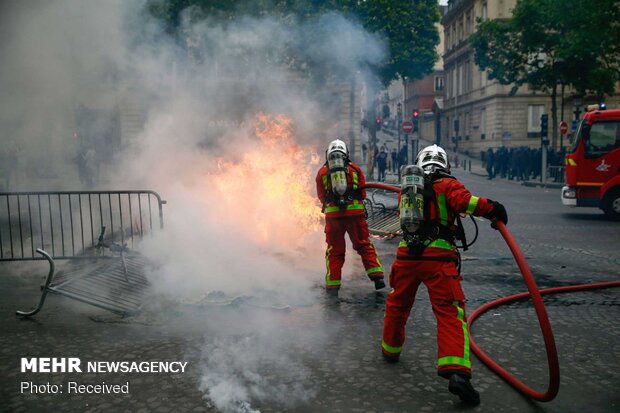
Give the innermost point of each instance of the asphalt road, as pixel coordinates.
(308, 354)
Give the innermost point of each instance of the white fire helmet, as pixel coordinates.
(336, 146)
(431, 158)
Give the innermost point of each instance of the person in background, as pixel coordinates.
(394, 156)
(382, 163)
(490, 158)
(404, 155)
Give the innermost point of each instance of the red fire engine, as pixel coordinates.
(593, 163)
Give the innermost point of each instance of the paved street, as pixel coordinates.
(320, 356)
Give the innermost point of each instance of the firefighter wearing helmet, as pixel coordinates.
(430, 202)
(338, 184)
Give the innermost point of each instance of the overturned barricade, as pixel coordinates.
(382, 210)
(94, 233)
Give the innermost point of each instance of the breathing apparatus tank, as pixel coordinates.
(338, 175)
(411, 201)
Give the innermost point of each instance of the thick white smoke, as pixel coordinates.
(186, 105)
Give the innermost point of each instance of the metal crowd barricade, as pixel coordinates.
(95, 231)
(382, 213)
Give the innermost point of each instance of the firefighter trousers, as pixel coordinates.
(357, 228)
(447, 300)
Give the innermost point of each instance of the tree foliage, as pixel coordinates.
(408, 25)
(410, 29)
(546, 41)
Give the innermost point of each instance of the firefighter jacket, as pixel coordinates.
(354, 196)
(449, 197)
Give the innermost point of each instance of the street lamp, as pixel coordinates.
(399, 120)
(558, 67)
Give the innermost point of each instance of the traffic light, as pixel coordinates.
(415, 114)
(544, 128)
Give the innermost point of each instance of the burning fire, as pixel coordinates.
(270, 190)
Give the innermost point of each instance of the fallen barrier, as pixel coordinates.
(94, 233)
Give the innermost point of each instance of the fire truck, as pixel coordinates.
(593, 162)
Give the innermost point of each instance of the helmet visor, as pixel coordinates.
(436, 157)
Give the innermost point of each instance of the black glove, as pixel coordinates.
(498, 212)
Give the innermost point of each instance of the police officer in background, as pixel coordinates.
(428, 255)
(338, 184)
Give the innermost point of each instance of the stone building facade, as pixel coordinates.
(480, 113)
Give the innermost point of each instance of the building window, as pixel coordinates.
(461, 79)
(468, 78)
(483, 78)
(453, 86)
(454, 35)
(533, 118)
(438, 83)
(467, 125)
(485, 14)
(483, 123)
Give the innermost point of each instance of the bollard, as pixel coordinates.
(470, 165)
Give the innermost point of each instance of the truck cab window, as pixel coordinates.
(602, 138)
(576, 138)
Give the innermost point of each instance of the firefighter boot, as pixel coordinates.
(332, 292)
(461, 386)
(379, 283)
(390, 358)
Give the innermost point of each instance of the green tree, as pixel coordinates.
(409, 27)
(591, 45)
(545, 42)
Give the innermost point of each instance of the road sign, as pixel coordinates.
(563, 127)
(407, 126)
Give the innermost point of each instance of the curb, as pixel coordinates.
(557, 185)
(533, 184)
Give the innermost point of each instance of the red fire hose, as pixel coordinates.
(378, 185)
(536, 294)
(545, 326)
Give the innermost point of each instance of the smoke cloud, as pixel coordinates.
(228, 122)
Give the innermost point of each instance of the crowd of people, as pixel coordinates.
(520, 163)
(386, 160)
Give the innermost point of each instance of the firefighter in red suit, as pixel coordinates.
(430, 256)
(338, 185)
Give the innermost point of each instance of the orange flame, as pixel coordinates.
(269, 190)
